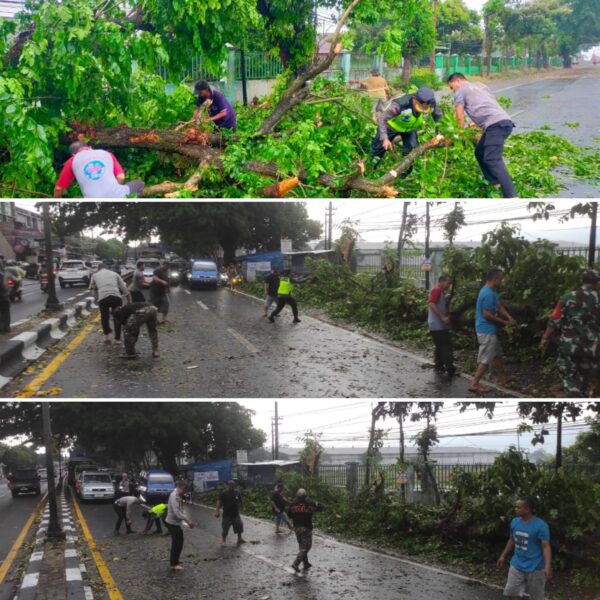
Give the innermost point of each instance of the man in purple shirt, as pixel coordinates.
(220, 111)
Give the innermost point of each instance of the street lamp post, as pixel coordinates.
(52, 302)
(54, 531)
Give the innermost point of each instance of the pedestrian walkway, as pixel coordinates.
(55, 572)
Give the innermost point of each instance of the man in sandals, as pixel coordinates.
(132, 317)
(489, 314)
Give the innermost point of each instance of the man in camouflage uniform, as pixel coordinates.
(132, 316)
(576, 320)
(301, 512)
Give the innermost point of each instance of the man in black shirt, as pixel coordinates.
(132, 316)
(159, 290)
(271, 286)
(231, 502)
(301, 512)
(278, 503)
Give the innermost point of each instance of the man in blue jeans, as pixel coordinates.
(531, 564)
(489, 313)
(478, 102)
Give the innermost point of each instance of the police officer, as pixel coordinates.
(404, 117)
(154, 515)
(132, 317)
(576, 321)
(284, 296)
(301, 512)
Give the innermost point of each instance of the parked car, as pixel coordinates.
(149, 267)
(24, 481)
(95, 485)
(79, 461)
(203, 273)
(43, 473)
(155, 486)
(74, 271)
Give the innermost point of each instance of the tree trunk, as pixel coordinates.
(558, 463)
(370, 452)
(592, 246)
(407, 65)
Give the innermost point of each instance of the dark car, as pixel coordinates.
(24, 481)
(178, 270)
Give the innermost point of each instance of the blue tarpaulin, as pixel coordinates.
(215, 473)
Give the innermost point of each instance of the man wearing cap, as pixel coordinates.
(98, 174)
(404, 117)
(232, 503)
(478, 102)
(576, 321)
(301, 513)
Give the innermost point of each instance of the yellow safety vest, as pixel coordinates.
(285, 286)
(159, 509)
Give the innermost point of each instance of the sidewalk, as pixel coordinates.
(55, 571)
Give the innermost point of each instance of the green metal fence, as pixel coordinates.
(259, 65)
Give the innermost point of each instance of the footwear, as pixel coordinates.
(155, 355)
(271, 319)
(240, 542)
(129, 355)
(177, 568)
(479, 389)
(296, 567)
(307, 566)
(130, 531)
(297, 321)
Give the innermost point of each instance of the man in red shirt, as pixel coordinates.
(438, 319)
(98, 174)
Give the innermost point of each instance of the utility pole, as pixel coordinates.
(427, 228)
(54, 531)
(401, 236)
(330, 226)
(276, 431)
(272, 438)
(52, 302)
(244, 82)
(592, 250)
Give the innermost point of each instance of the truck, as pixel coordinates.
(24, 481)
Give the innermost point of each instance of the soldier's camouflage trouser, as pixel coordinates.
(304, 537)
(578, 377)
(134, 323)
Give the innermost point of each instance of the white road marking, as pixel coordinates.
(30, 580)
(242, 340)
(187, 291)
(201, 305)
(73, 574)
(71, 299)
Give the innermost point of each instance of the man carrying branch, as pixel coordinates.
(220, 111)
(404, 117)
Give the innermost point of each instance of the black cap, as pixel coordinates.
(425, 95)
(590, 277)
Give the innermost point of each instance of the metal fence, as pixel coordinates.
(341, 475)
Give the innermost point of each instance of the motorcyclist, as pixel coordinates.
(17, 275)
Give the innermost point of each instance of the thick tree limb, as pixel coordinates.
(170, 189)
(298, 90)
(206, 151)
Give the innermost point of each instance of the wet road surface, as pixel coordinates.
(261, 568)
(219, 345)
(14, 513)
(536, 103)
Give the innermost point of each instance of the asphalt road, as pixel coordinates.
(14, 513)
(555, 102)
(261, 568)
(219, 345)
(34, 300)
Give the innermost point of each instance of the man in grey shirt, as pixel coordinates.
(478, 102)
(138, 283)
(175, 518)
(438, 320)
(109, 290)
(123, 508)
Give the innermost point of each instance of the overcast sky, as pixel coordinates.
(345, 423)
(379, 220)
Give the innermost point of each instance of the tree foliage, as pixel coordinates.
(198, 431)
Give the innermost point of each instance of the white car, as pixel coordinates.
(74, 271)
(149, 267)
(95, 485)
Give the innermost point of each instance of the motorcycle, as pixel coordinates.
(14, 290)
(44, 282)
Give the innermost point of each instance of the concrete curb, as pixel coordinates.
(24, 349)
(74, 569)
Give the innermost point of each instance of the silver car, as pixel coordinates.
(95, 485)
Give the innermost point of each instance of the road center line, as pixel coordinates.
(201, 305)
(5, 567)
(111, 587)
(34, 386)
(242, 340)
